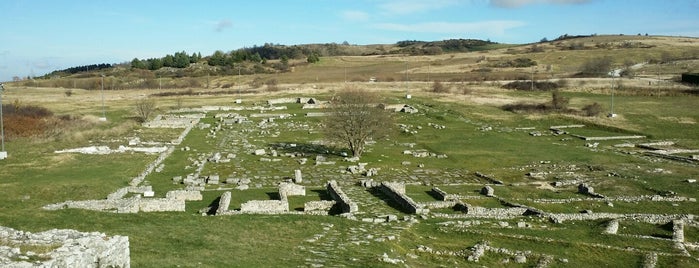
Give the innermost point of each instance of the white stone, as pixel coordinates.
(148, 194)
(3, 155)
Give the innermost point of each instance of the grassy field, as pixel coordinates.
(478, 136)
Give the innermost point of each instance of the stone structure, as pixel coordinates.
(341, 198)
(223, 203)
(678, 231)
(265, 206)
(298, 178)
(444, 196)
(290, 189)
(584, 188)
(396, 191)
(73, 249)
(322, 205)
(612, 227)
(488, 191)
(124, 205)
(187, 195)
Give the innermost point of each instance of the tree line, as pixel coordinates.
(178, 60)
(84, 68)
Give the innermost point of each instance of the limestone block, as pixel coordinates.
(224, 203)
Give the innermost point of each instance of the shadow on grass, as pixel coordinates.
(323, 194)
(305, 148)
(213, 206)
(434, 195)
(376, 192)
(273, 195)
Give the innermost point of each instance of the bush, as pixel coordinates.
(592, 109)
(596, 66)
(438, 87)
(144, 108)
(68, 92)
(558, 101)
(528, 85)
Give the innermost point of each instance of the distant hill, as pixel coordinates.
(454, 60)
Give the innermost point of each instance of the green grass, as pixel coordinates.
(34, 176)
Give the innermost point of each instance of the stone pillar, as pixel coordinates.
(223, 203)
(298, 178)
(678, 230)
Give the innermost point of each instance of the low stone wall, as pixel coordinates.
(323, 205)
(186, 195)
(264, 206)
(396, 191)
(291, 189)
(75, 249)
(161, 204)
(647, 218)
(123, 205)
(497, 213)
(118, 194)
(338, 195)
(282, 100)
(444, 196)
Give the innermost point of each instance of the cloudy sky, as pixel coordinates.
(37, 37)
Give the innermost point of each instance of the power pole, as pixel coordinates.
(3, 153)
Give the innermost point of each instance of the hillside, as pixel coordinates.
(652, 57)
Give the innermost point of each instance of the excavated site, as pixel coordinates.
(265, 148)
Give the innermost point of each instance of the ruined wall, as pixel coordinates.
(187, 195)
(264, 206)
(341, 198)
(444, 196)
(125, 205)
(161, 204)
(396, 191)
(76, 249)
(291, 189)
(322, 205)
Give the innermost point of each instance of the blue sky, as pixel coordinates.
(37, 37)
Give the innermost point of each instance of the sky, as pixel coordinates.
(40, 36)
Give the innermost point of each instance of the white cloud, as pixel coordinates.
(494, 27)
(519, 3)
(353, 15)
(414, 6)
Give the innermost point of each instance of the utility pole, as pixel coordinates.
(3, 153)
(104, 113)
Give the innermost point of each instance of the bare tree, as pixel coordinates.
(356, 118)
(144, 108)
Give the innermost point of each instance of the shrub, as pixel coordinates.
(528, 85)
(438, 87)
(558, 101)
(256, 82)
(68, 92)
(592, 109)
(596, 66)
(144, 108)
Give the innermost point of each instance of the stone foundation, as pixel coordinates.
(341, 198)
(73, 249)
(396, 191)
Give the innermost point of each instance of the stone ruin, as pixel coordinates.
(341, 198)
(396, 191)
(65, 248)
